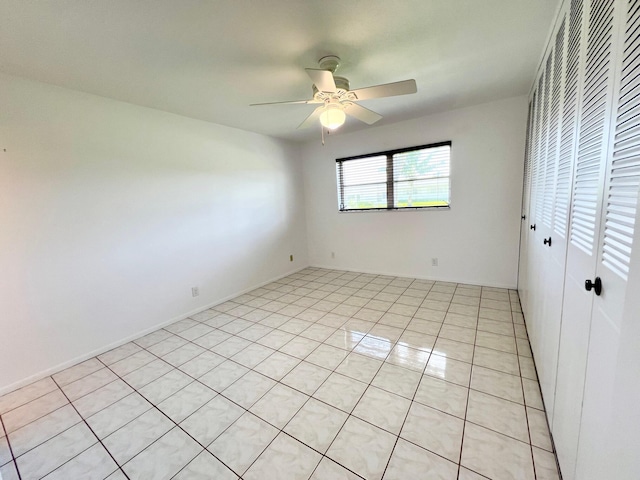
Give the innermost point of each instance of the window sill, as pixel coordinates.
(403, 209)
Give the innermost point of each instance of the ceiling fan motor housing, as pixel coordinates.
(341, 84)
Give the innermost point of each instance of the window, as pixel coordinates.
(415, 177)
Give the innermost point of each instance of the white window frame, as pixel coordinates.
(391, 180)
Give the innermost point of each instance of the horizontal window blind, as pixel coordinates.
(415, 177)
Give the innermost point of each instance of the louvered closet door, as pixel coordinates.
(618, 228)
(550, 256)
(523, 266)
(530, 269)
(536, 268)
(535, 320)
(584, 226)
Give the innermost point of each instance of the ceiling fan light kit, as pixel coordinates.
(333, 116)
(337, 100)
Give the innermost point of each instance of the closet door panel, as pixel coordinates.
(616, 245)
(584, 229)
(552, 254)
(533, 270)
(524, 259)
(619, 439)
(535, 321)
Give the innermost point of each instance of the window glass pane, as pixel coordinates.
(414, 178)
(422, 193)
(421, 178)
(426, 163)
(365, 196)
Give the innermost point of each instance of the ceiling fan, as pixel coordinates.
(337, 101)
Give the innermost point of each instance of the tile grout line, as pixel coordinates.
(350, 414)
(526, 416)
(417, 387)
(50, 438)
(154, 406)
(466, 409)
(323, 455)
(219, 393)
(246, 410)
(13, 458)
(442, 324)
(39, 418)
(33, 399)
(35, 420)
(170, 419)
(91, 430)
(553, 448)
(467, 404)
(553, 444)
(416, 390)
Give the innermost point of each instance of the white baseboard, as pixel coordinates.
(58, 368)
(420, 277)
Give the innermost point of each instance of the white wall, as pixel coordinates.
(475, 241)
(110, 213)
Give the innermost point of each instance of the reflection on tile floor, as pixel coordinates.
(324, 375)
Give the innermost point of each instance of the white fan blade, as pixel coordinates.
(387, 90)
(313, 118)
(322, 79)
(363, 114)
(313, 100)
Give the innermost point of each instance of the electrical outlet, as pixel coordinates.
(333, 254)
(291, 258)
(195, 291)
(434, 262)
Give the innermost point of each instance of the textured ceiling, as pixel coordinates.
(210, 59)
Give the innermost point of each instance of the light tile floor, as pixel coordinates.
(323, 375)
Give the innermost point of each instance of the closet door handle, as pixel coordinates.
(596, 285)
(547, 241)
(523, 217)
(533, 227)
